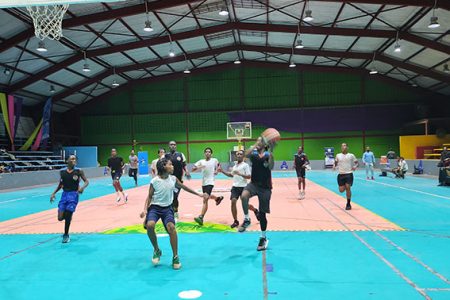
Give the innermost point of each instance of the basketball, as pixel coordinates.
(271, 136)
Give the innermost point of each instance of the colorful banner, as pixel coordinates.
(4, 106)
(18, 111)
(32, 137)
(11, 117)
(46, 117)
(37, 142)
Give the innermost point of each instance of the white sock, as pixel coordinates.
(118, 195)
(263, 234)
(247, 217)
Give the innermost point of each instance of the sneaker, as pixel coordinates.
(199, 220)
(302, 195)
(373, 178)
(244, 225)
(299, 196)
(367, 178)
(118, 199)
(263, 243)
(235, 224)
(126, 198)
(145, 224)
(348, 206)
(66, 239)
(156, 256)
(176, 216)
(219, 199)
(176, 263)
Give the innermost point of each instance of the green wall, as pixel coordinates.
(193, 111)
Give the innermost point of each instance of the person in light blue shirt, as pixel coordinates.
(368, 159)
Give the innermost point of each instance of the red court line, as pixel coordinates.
(287, 212)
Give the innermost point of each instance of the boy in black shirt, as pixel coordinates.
(115, 166)
(260, 185)
(69, 182)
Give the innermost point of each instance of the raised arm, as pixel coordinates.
(85, 181)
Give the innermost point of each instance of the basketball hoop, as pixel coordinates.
(47, 20)
(239, 131)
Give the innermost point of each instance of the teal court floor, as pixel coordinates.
(409, 264)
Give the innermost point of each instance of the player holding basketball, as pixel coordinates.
(115, 166)
(301, 161)
(134, 161)
(346, 163)
(70, 183)
(261, 157)
(209, 167)
(240, 173)
(179, 167)
(158, 205)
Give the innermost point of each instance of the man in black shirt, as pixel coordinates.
(300, 163)
(69, 182)
(260, 185)
(179, 167)
(115, 166)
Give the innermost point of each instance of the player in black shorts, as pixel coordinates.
(261, 157)
(179, 167)
(301, 161)
(346, 163)
(240, 173)
(115, 166)
(69, 182)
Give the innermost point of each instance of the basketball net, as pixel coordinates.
(47, 20)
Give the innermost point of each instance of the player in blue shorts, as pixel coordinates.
(70, 183)
(158, 205)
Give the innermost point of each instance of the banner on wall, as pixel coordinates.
(143, 162)
(11, 107)
(30, 140)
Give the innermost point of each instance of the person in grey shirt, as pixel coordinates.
(134, 161)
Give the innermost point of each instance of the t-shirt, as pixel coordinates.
(70, 181)
(178, 162)
(345, 163)
(154, 162)
(115, 164)
(208, 168)
(133, 161)
(368, 157)
(403, 165)
(241, 168)
(300, 160)
(261, 174)
(164, 188)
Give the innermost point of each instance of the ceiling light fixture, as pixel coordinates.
(434, 23)
(299, 44)
(52, 89)
(41, 47)
(148, 24)
(292, 64)
(171, 52)
(186, 70)
(237, 61)
(7, 71)
(373, 69)
(223, 11)
(86, 65)
(446, 69)
(397, 46)
(308, 13)
(115, 83)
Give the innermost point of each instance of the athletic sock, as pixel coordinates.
(263, 234)
(247, 217)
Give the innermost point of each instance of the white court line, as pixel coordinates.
(40, 195)
(412, 190)
(13, 200)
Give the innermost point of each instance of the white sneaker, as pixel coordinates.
(299, 195)
(118, 199)
(126, 198)
(303, 195)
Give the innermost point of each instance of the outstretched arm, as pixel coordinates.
(182, 186)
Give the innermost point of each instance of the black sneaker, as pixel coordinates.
(263, 243)
(199, 220)
(244, 225)
(219, 199)
(66, 239)
(235, 224)
(348, 206)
